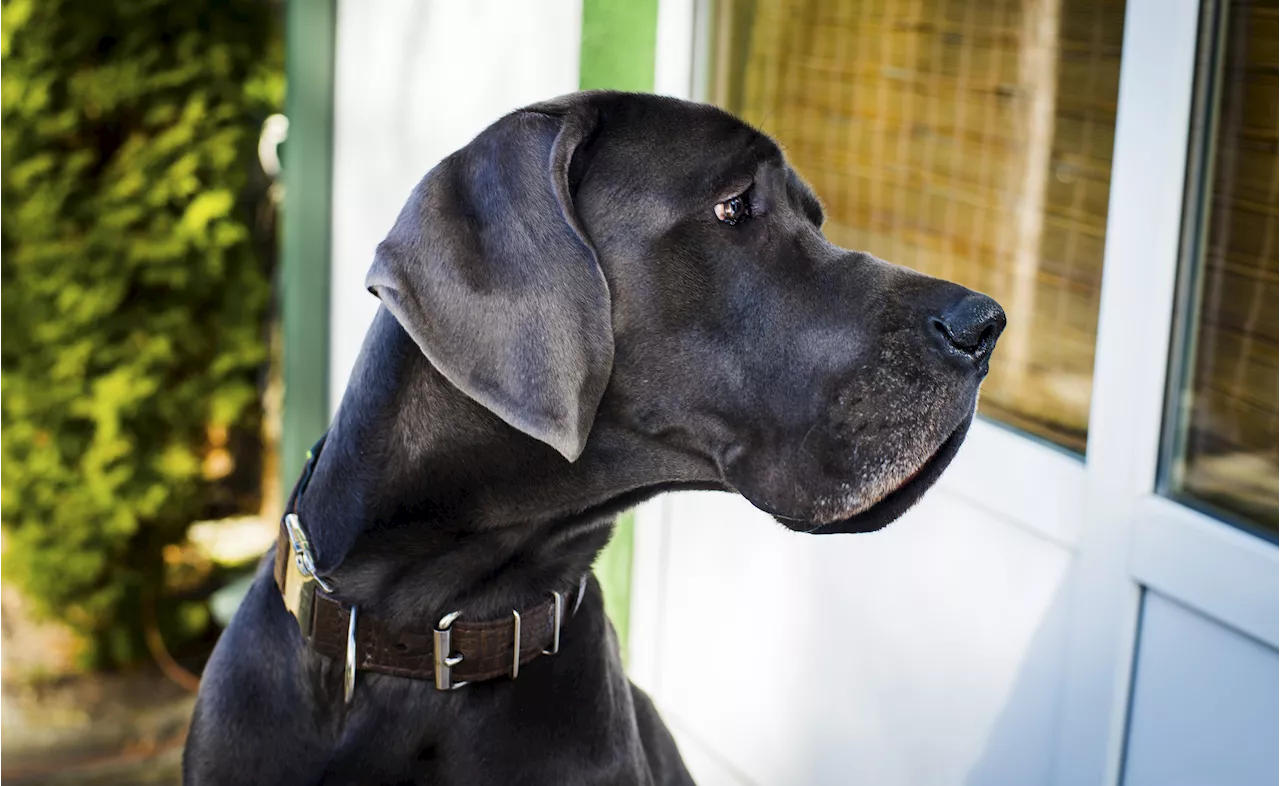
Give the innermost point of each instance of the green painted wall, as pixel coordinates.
(619, 39)
(304, 283)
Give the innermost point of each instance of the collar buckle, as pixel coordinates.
(445, 659)
(442, 639)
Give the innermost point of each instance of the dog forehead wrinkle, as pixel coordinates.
(710, 143)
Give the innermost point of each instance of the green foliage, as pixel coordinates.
(135, 284)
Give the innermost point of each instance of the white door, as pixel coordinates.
(1059, 609)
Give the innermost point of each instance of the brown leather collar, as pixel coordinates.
(473, 650)
(455, 652)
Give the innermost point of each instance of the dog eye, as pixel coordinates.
(731, 211)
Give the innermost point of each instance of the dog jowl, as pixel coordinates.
(600, 298)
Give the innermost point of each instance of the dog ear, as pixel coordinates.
(489, 271)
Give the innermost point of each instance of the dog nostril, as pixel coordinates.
(943, 330)
(969, 348)
(986, 342)
(971, 325)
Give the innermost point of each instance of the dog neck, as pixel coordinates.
(422, 501)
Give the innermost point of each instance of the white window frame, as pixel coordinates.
(1132, 537)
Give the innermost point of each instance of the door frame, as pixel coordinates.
(305, 235)
(1133, 537)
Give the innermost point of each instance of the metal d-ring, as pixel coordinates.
(349, 671)
(445, 660)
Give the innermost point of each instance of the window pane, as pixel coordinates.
(970, 139)
(1225, 418)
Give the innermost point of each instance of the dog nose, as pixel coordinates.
(971, 325)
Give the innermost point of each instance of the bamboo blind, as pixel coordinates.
(970, 139)
(1231, 439)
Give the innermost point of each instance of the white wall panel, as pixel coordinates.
(704, 764)
(416, 80)
(927, 653)
(1204, 703)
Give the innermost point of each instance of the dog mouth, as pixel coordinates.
(892, 505)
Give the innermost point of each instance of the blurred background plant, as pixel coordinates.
(138, 253)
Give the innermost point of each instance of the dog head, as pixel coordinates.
(609, 260)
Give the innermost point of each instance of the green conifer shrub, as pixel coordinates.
(135, 283)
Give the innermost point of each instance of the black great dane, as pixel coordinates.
(601, 298)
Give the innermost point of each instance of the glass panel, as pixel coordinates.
(970, 139)
(1225, 424)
